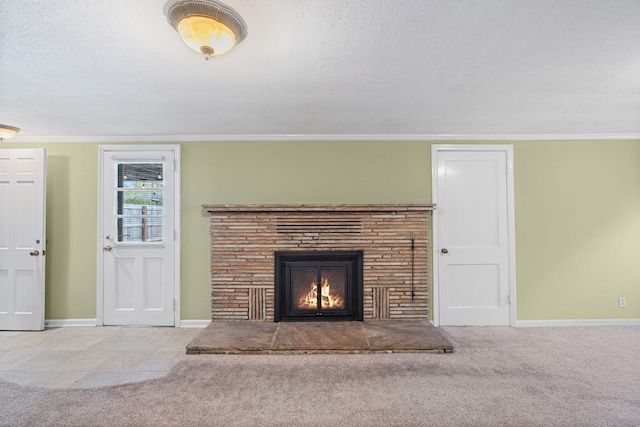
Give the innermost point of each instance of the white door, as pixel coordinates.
(472, 235)
(22, 238)
(138, 235)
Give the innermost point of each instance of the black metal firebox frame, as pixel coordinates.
(354, 293)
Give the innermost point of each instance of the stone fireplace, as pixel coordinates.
(259, 250)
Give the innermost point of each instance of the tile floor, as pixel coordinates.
(83, 357)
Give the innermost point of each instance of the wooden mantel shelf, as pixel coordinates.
(320, 208)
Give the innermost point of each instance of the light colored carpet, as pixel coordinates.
(573, 376)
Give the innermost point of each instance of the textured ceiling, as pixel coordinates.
(116, 70)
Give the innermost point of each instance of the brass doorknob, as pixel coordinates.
(34, 253)
(444, 250)
(107, 248)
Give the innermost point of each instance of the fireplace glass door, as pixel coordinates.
(316, 289)
(321, 285)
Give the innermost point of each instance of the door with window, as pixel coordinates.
(473, 235)
(138, 235)
(22, 238)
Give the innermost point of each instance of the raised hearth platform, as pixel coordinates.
(251, 337)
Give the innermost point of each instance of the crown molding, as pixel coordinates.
(323, 137)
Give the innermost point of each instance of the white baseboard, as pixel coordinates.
(578, 322)
(194, 323)
(61, 323)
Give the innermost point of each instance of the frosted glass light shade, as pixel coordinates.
(207, 26)
(201, 34)
(8, 132)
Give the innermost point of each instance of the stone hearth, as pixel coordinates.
(394, 240)
(390, 336)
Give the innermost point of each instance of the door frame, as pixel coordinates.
(104, 150)
(511, 229)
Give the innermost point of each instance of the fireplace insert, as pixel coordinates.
(318, 285)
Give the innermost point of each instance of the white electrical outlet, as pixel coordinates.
(622, 302)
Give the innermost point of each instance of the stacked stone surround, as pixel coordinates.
(244, 239)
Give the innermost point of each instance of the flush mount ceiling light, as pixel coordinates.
(8, 132)
(206, 26)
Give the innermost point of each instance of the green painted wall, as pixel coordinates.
(577, 213)
(577, 229)
(287, 172)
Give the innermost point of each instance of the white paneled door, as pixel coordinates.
(22, 238)
(472, 237)
(138, 236)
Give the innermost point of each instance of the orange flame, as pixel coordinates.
(327, 300)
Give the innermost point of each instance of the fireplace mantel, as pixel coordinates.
(318, 208)
(394, 238)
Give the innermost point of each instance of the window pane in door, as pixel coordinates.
(140, 202)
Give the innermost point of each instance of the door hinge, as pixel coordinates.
(174, 304)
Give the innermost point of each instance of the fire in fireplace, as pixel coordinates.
(327, 298)
(318, 285)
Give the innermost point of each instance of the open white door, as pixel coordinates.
(473, 235)
(22, 238)
(138, 253)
